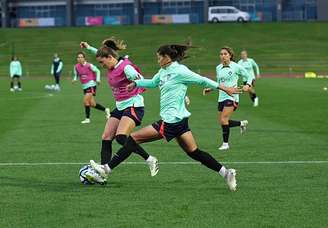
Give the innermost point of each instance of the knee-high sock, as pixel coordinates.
(123, 153)
(252, 96)
(121, 139)
(206, 159)
(99, 107)
(234, 123)
(225, 133)
(106, 151)
(87, 111)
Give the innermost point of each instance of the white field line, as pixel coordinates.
(163, 163)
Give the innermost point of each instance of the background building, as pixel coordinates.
(21, 13)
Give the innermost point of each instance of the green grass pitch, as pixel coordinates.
(289, 125)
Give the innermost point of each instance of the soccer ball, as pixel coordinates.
(15, 87)
(83, 174)
(47, 87)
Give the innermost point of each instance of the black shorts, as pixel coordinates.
(227, 103)
(91, 89)
(16, 76)
(253, 83)
(134, 113)
(170, 131)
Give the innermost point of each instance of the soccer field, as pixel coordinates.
(282, 162)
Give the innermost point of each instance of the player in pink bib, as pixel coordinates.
(129, 109)
(89, 76)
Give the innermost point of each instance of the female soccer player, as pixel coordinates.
(89, 76)
(252, 68)
(129, 109)
(228, 73)
(172, 79)
(56, 69)
(15, 74)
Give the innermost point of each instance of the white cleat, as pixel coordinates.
(243, 126)
(152, 162)
(230, 179)
(107, 111)
(94, 177)
(224, 146)
(99, 168)
(12, 90)
(256, 102)
(86, 121)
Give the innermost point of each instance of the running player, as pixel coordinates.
(251, 66)
(129, 109)
(172, 79)
(15, 71)
(89, 76)
(228, 73)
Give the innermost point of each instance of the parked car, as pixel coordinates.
(226, 13)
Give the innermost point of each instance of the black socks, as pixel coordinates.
(123, 153)
(106, 151)
(225, 133)
(252, 96)
(206, 159)
(87, 112)
(139, 150)
(100, 107)
(234, 123)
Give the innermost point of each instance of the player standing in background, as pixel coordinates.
(89, 76)
(172, 79)
(129, 110)
(15, 70)
(251, 66)
(56, 69)
(228, 73)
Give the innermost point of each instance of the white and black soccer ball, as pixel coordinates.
(47, 87)
(83, 174)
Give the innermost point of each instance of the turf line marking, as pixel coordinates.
(162, 163)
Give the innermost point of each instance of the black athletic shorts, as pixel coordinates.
(253, 83)
(135, 113)
(16, 76)
(91, 89)
(227, 103)
(170, 131)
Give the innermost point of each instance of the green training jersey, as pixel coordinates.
(251, 66)
(173, 81)
(131, 74)
(15, 68)
(228, 76)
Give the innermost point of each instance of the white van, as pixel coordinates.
(226, 13)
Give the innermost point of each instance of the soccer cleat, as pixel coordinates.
(243, 126)
(224, 146)
(99, 168)
(152, 162)
(256, 102)
(86, 121)
(12, 90)
(230, 179)
(20, 89)
(107, 111)
(94, 177)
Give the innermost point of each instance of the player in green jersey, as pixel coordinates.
(172, 79)
(253, 69)
(228, 73)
